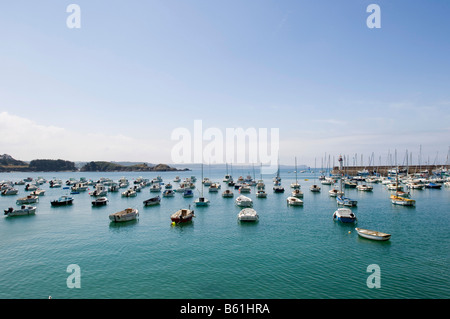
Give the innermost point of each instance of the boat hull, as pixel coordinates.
(372, 235)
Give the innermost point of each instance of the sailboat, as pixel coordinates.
(295, 185)
(341, 199)
(227, 177)
(401, 200)
(202, 201)
(314, 187)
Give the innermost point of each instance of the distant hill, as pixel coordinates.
(102, 166)
(8, 163)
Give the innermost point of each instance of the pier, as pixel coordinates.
(383, 170)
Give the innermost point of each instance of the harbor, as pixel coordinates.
(288, 251)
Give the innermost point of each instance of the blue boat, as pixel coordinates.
(188, 193)
(433, 185)
(344, 215)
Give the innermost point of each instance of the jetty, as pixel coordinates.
(384, 170)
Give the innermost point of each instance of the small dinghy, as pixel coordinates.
(152, 201)
(100, 201)
(372, 234)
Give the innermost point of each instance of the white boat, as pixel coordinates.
(227, 178)
(10, 191)
(129, 193)
(297, 193)
(248, 215)
(201, 201)
(394, 186)
(80, 187)
(227, 193)
(155, 188)
(100, 201)
(214, 187)
(38, 192)
(27, 200)
(168, 193)
(344, 215)
(364, 187)
(152, 201)
(31, 187)
(314, 188)
(24, 210)
(372, 234)
(206, 181)
(447, 184)
(100, 190)
(335, 192)
(177, 179)
(294, 201)
(415, 185)
(261, 193)
(244, 201)
(182, 216)
(124, 215)
(245, 188)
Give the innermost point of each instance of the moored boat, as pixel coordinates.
(403, 201)
(244, 201)
(27, 200)
(344, 215)
(152, 201)
(294, 201)
(62, 201)
(124, 215)
(100, 201)
(182, 216)
(261, 193)
(248, 215)
(24, 210)
(227, 193)
(372, 234)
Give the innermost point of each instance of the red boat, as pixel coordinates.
(182, 216)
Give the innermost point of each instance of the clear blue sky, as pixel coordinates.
(117, 87)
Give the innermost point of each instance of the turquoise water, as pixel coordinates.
(292, 252)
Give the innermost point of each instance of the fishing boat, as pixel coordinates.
(344, 215)
(168, 193)
(294, 201)
(124, 215)
(433, 185)
(297, 193)
(261, 193)
(31, 187)
(201, 201)
(248, 215)
(227, 193)
(79, 187)
(27, 200)
(100, 201)
(345, 201)
(244, 201)
(364, 188)
(214, 187)
(403, 200)
(62, 201)
(335, 192)
(188, 193)
(129, 193)
(100, 190)
(394, 187)
(155, 188)
(277, 188)
(245, 188)
(152, 201)
(182, 216)
(10, 191)
(415, 185)
(372, 234)
(24, 210)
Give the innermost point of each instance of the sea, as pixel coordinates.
(75, 252)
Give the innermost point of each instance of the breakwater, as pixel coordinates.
(384, 170)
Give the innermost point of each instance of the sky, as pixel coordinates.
(135, 72)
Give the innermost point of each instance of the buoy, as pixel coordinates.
(349, 232)
(173, 223)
